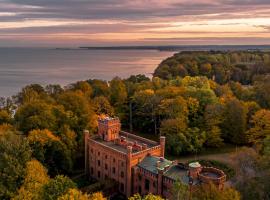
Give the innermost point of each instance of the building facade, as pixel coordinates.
(138, 164)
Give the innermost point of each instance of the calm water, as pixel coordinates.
(19, 67)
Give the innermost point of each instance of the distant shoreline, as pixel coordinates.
(184, 47)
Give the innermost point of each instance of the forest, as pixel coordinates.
(198, 100)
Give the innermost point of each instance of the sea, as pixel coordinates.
(22, 66)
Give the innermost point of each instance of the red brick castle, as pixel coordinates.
(138, 164)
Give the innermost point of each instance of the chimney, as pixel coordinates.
(158, 163)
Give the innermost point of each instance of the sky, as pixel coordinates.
(73, 23)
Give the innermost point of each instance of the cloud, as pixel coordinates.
(36, 18)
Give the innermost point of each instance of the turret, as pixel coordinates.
(109, 128)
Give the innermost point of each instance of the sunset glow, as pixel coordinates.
(137, 22)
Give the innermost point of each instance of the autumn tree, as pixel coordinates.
(5, 117)
(102, 106)
(79, 107)
(260, 126)
(36, 176)
(211, 192)
(146, 197)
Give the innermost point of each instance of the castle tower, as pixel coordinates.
(109, 128)
(162, 140)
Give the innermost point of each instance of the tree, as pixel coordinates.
(79, 107)
(35, 115)
(97, 196)
(5, 117)
(246, 161)
(54, 90)
(15, 152)
(181, 139)
(118, 91)
(260, 126)
(253, 174)
(147, 197)
(145, 105)
(51, 151)
(138, 78)
(262, 90)
(235, 122)
(84, 87)
(213, 117)
(75, 194)
(174, 108)
(36, 176)
(57, 187)
(102, 106)
(179, 191)
(211, 192)
(30, 93)
(205, 69)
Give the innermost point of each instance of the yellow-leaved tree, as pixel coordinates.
(36, 177)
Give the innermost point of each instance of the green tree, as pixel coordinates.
(51, 151)
(145, 105)
(100, 88)
(15, 152)
(35, 115)
(57, 187)
(174, 108)
(79, 107)
(213, 117)
(235, 122)
(118, 91)
(181, 139)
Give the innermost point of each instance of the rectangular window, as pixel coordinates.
(140, 190)
(98, 174)
(106, 166)
(122, 174)
(146, 184)
(113, 170)
(154, 184)
(92, 170)
(98, 162)
(122, 187)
